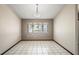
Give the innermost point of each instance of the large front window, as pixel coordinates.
(38, 27)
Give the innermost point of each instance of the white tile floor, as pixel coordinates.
(37, 48)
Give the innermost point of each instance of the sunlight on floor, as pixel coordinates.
(37, 48)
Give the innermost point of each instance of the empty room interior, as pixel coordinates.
(39, 29)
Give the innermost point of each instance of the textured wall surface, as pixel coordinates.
(37, 36)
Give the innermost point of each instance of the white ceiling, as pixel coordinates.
(27, 11)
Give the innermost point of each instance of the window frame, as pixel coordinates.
(39, 24)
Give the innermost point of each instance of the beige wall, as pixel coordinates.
(10, 28)
(64, 28)
(38, 36)
(77, 25)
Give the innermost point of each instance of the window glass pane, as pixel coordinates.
(36, 27)
(40, 27)
(30, 27)
(45, 25)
